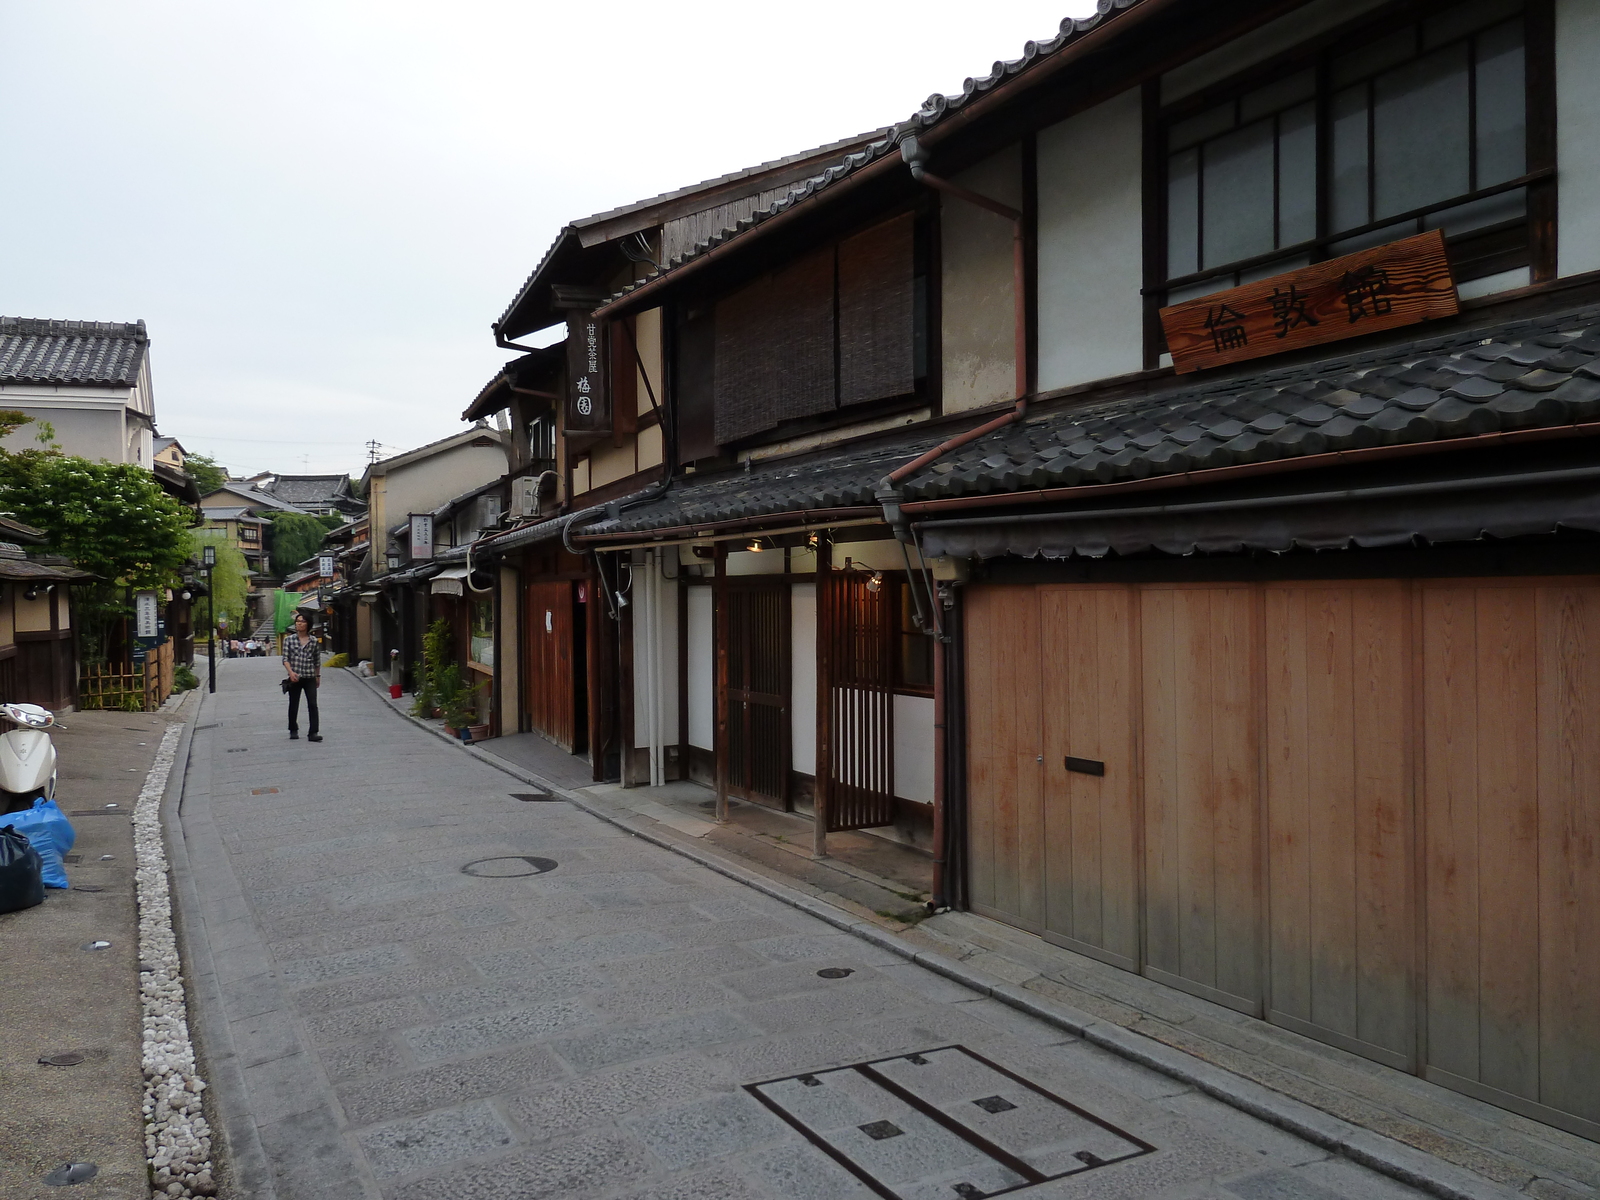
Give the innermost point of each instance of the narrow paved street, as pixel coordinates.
(409, 982)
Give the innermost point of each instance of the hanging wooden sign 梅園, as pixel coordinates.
(588, 401)
(1400, 283)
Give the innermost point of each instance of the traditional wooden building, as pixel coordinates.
(38, 646)
(1161, 481)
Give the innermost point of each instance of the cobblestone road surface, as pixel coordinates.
(413, 985)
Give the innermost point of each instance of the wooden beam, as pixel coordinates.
(824, 640)
(719, 622)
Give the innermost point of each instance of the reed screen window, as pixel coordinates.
(1424, 126)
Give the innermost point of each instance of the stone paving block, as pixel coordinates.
(359, 937)
(789, 979)
(667, 917)
(559, 983)
(449, 1084)
(659, 999)
(701, 963)
(802, 1172)
(1279, 1185)
(360, 1020)
(264, 1036)
(610, 1046)
(558, 1108)
(715, 1128)
(588, 1161)
(509, 964)
(418, 1143)
(718, 1183)
(326, 997)
(604, 947)
(308, 1157)
(770, 1058)
(362, 1058)
(842, 1004)
(465, 1035)
(253, 994)
(738, 929)
(934, 988)
(480, 916)
(277, 1087)
(818, 947)
(370, 961)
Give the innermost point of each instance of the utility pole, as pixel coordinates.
(208, 558)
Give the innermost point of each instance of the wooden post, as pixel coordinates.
(719, 625)
(825, 634)
(683, 673)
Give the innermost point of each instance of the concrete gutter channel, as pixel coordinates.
(1398, 1160)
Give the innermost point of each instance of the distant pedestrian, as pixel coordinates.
(302, 659)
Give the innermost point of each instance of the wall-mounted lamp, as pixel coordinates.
(874, 578)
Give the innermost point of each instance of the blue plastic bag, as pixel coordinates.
(50, 833)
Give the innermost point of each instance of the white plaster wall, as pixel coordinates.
(977, 303)
(913, 748)
(1091, 245)
(803, 678)
(702, 671)
(88, 429)
(1577, 143)
(425, 484)
(755, 562)
(665, 621)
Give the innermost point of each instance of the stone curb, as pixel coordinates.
(1398, 1161)
(238, 1149)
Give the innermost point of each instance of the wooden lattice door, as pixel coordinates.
(756, 626)
(855, 628)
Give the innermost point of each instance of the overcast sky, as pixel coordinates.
(319, 207)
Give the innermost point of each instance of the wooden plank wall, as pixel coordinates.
(1511, 789)
(1201, 792)
(1369, 810)
(1340, 815)
(1091, 822)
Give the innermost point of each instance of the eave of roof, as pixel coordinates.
(72, 353)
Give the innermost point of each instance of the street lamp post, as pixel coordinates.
(208, 559)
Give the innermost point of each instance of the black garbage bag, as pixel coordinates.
(21, 876)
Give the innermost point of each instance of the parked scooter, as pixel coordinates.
(27, 757)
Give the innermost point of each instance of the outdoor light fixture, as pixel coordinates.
(755, 547)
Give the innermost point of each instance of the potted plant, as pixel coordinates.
(436, 646)
(455, 698)
(476, 732)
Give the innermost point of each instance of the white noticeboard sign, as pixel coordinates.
(325, 565)
(145, 614)
(421, 535)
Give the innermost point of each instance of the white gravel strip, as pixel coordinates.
(177, 1139)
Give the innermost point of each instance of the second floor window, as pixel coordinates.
(248, 533)
(1416, 127)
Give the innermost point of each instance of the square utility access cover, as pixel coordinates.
(944, 1124)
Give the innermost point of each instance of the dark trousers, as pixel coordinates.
(296, 687)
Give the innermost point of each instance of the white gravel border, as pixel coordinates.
(177, 1139)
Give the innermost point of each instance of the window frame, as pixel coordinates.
(1533, 243)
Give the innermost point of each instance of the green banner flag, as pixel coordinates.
(282, 609)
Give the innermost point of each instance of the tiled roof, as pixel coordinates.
(88, 353)
(935, 109)
(1522, 375)
(310, 489)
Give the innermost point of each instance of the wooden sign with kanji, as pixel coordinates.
(1397, 284)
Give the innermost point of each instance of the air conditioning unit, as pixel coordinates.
(525, 496)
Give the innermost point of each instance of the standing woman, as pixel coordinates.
(302, 658)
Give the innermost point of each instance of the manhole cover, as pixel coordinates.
(69, 1173)
(510, 866)
(61, 1060)
(945, 1122)
(263, 791)
(531, 797)
(835, 972)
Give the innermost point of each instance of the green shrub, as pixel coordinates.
(336, 661)
(183, 678)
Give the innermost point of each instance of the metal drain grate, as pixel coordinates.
(263, 791)
(101, 812)
(240, 750)
(533, 797)
(945, 1122)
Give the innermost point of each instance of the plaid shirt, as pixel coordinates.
(302, 660)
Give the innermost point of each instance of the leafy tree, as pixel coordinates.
(295, 538)
(230, 580)
(205, 472)
(111, 519)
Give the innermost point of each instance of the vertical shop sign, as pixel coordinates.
(588, 400)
